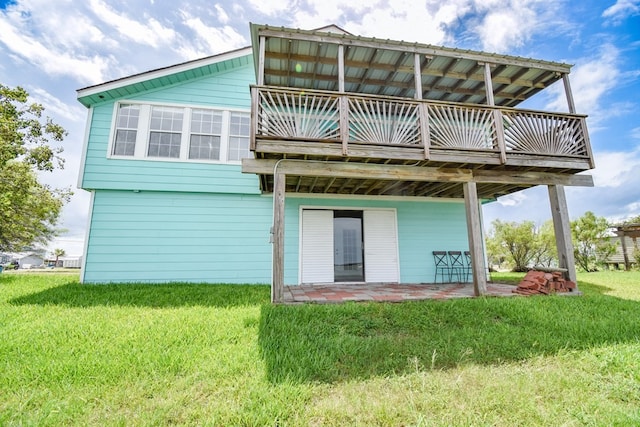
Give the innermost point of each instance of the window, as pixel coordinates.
(239, 136)
(206, 130)
(161, 132)
(165, 132)
(126, 130)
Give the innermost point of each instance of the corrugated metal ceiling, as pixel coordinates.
(309, 60)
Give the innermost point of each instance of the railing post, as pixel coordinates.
(255, 113)
(344, 124)
(499, 124)
(423, 112)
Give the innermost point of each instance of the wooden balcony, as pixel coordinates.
(505, 149)
(319, 125)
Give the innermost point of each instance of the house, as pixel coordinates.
(627, 246)
(25, 260)
(318, 156)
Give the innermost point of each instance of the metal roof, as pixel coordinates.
(309, 60)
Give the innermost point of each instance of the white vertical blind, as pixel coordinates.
(380, 246)
(317, 246)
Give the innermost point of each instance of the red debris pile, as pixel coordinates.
(544, 282)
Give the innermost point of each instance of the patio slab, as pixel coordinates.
(389, 292)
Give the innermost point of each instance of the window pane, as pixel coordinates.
(126, 130)
(125, 143)
(238, 148)
(206, 147)
(163, 144)
(166, 119)
(239, 136)
(206, 122)
(128, 116)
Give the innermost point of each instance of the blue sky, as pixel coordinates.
(52, 48)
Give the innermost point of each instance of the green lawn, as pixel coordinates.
(180, 354)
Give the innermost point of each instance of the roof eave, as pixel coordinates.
(84, 94)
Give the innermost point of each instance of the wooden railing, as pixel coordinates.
(288, 114)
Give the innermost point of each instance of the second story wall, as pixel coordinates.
(225, 95)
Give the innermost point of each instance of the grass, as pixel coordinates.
(182, 354)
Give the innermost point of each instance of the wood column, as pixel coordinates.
(261, 59)
(623, 242)
(562, 228)
(474, 229)
(423, 111)
(568, 93)
(277, 278)
(497, 114)
(343, 103)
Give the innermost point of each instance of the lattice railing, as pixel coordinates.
(383, 122)
(542, 133)
(462, 127)
(298, 115)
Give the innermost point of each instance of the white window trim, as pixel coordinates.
(142, 135)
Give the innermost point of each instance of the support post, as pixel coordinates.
(627, 264)
(277, 279)
(497, 114)
(568, 93)
(562, 228)
(261, 59)
(474, 230)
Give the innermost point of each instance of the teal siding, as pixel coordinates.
(423, 227)
(226, 90)
(184, 237)
(224, 238)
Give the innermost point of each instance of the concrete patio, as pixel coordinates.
(389, 292)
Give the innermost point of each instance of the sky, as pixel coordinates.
(53, 48)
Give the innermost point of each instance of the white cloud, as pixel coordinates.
(54, 105)
(622, 9)
(590, 79)
(151, 33)
(210, 40)
(613, 168)
(222, 15)
(506, 24)
(273, 7)
(52, 58)
(513, 199)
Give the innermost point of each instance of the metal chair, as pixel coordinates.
(442, 266)
(456, 265)
(467, 265)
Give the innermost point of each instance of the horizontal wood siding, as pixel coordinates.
(184, 237)
(226, 90)
(224, 238)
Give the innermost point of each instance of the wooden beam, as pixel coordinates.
(260, 79)
(562, 228)
(627, 264)
(474, 230)
(277, 279)
(417, 75)
(568, 93)
(410, 173)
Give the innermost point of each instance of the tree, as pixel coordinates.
(522, 244)
(29, 210)
(58, 253)
(591, 241)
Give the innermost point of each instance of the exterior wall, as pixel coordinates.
(423, 227)
(224, 238)
(178, 237)
(225, 90)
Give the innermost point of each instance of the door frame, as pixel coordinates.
(301, 208)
